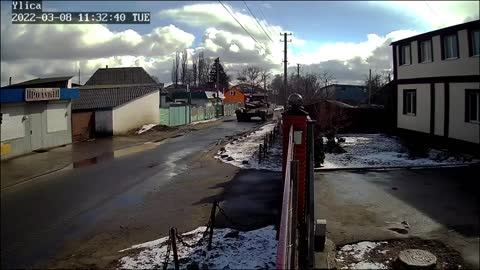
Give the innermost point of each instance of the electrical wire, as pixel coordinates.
(231, 14)
(255, 17)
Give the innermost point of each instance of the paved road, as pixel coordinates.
(39, 217)
(440, 204)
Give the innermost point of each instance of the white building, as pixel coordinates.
(437, 77)
(114, 101)
(36, 115)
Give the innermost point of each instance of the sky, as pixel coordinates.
(344, 38)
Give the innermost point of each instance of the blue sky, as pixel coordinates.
(326, 35)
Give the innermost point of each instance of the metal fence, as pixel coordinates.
(177, 115)
(286, 258)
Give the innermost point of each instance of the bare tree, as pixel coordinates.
(175, 66)
(184, 62)
(206, 71)
(252, 76)
(195, 70)
(376, 83)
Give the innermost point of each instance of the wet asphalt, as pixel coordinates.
(38, 217)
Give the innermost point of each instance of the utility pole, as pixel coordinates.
(264, 77)
(217, 64)
(285, 61)
(369, 84)
(298, 78)
(79, 76)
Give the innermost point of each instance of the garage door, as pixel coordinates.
(83, 126)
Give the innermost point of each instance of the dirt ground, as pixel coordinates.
(386, 254)
(439, 205)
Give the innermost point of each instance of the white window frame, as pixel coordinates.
(404, 57)
(426, 46)
(450, 42)
(470, 93)
(410, 109)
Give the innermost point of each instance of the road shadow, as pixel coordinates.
(251, 200)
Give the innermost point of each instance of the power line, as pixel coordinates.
(255, 17)
(265, 19)
(231, 14)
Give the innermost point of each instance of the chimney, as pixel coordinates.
(10, 81)
(106, 66)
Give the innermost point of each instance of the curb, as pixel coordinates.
(386, 168)
(34, 177)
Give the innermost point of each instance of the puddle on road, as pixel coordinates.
(115, 154)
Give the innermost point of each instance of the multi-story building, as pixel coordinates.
(437, 80)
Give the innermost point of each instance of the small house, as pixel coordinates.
(114, 101)
(36, 115)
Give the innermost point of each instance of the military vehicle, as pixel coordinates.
(255, 106)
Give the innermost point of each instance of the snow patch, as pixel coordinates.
(367, 265)
(380, 150)
(249, 250)
(359, 253)
(359, 250)
(246, 149)
(204, 121)
(145, 128)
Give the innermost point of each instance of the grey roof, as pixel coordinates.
(40, 81)
(122, 75)
(104, 98)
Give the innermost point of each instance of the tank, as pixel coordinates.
(254, 107)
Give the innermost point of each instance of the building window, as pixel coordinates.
(425, 51)
(475, 43)
(405, 56)
(13, 126)
(410, 102)
(450, 47)
(472, 107)
(232, 93)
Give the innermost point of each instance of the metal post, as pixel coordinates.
(294, 181)
(212, 224)
(310, 216)
(369, 84)
(260, 154)
(174, 247)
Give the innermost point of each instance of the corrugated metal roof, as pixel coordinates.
(122, 75)
(103, 98)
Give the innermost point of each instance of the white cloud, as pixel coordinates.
(344, 51)
(87, 41)
(433, 14)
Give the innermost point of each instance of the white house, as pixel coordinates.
(115, 101)
(437, 78)
(36, 115)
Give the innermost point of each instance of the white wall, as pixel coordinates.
(138, 112)
(465, 65)
(420, 121)
(458, 128)
(439, 109)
